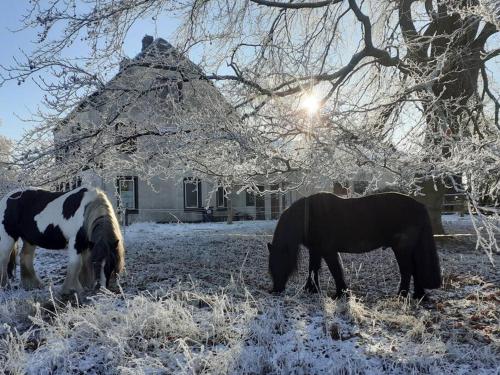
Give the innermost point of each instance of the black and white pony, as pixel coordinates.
(81, 220)
(328, 225)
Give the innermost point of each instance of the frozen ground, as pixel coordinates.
(194, 300)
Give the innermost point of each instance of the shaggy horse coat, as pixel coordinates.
(81, 220)
(327, 225)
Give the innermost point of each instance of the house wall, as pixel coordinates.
(163, 200)
(160, 201)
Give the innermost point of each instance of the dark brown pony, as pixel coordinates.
(327, 225)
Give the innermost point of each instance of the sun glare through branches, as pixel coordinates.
(310, 102)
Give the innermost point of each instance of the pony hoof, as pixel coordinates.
(341, 294)
(70, 291)
(74, 298)
(31, 283)
(403, 294)
(311, 289)
(70, 295)
(421, 297)
(276, 292)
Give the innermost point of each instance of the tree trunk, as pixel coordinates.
(229, 208)
(433, 200)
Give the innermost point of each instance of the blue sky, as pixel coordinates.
(24, 99)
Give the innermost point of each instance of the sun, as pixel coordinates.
(311, 103)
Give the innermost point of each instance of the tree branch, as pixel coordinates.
(488, 30)
(410, 34)
(486, 89)
(307, 5)
(491, 54)
(383, 57)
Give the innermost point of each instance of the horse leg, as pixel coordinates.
(418, 291)
(312, 286)
(71, 283)
(6, 247)
(29, 279)
(11, 267)
(333, 261)
(86, 276)
(403, 257)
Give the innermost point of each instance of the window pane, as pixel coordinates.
(221, 199)
(191, 194)
(127, 193)
(250, 198)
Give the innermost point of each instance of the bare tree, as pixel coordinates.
(403, 86)
(8, 172)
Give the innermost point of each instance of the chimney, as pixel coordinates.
(146, 41)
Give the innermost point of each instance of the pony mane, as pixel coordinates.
(98, 209)
(290, 235)
(293, 218)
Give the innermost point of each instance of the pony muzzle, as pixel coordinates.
(99, 274)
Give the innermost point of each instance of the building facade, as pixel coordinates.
(165, 80)
(168, 80)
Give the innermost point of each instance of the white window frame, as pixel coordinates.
(134, 181)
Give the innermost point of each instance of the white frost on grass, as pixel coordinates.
(194, 300)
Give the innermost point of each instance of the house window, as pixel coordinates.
(250, 199)
(127, 192)
(192, 193)
(221, 198)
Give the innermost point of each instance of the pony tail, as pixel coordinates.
(426, 259)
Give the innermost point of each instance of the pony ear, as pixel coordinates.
(269, 246)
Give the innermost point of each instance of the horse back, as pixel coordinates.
(20, 217)
(362, 224)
